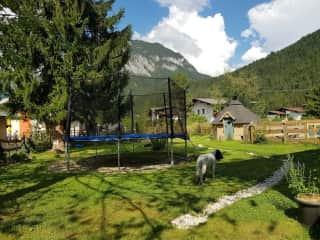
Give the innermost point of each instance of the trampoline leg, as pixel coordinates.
(186, 149)
(168, 151)
(66, 155)
(119, 154)
(96, 149)
(172, 160)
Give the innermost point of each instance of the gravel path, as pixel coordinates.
(187, 221)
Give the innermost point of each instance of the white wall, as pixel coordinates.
(294, 115)
(15, 129)
(208, 110)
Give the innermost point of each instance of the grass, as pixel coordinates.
(38, 204)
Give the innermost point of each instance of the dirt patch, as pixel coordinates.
(132, 162)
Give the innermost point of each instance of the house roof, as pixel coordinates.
(3, 114)
(158, 108)
(211, 101)
(236, 111)
(4, 100)
(295, 109)
(276, 113)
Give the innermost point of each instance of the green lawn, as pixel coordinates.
(38, 204)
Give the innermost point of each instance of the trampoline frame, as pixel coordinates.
(169, 134)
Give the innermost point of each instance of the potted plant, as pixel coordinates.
(306, 189)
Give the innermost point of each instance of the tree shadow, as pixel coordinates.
(311, 160)
(122, 227)
(24, 184)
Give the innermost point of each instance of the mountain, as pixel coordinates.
(153, 60)
(284, 77)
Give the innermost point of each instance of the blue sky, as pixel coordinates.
(230, 33)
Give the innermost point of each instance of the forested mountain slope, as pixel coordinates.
(279, 79)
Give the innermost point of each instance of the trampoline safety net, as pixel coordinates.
(94, 116)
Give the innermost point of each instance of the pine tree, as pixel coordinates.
(313, 100)
(56, 50)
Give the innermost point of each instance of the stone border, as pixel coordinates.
(61, 167)
(187, 221)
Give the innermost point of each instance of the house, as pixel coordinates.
(275, 115)
(3, 125)
(15, 126)
(231, 122)
(156, 113)
(18, 126)
(207, 107)
(295, 113)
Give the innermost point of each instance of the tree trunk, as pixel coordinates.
(58, 141)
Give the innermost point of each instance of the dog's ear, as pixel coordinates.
(218, 155)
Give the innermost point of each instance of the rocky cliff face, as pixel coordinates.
(155, 60)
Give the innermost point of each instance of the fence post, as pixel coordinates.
(305, 125)
(251, 132)
(285, 131)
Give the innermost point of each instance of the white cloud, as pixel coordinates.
(253, 54)
(248, 33)
(201, 40)
(280, 23)
(136, 36)
(185, 5)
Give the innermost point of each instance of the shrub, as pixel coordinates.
(194, 118)
(158, 144)
(298, 180)
(260, 138)
(41, 142)
(18, 157)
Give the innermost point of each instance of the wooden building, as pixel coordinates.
(231, 121)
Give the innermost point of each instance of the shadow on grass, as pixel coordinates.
(11, 202)
(171, 191)
(174, 193)
(311, 160)
(124, 226)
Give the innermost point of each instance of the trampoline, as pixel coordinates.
(134, 116)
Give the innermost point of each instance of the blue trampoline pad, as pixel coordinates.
(126, 137)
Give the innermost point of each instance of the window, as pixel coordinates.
(203, 111)
(198, 111)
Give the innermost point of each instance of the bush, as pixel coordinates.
(299, 181)
(41, 141)
(158, 144)
(194, 118)
(260, 138)
(18, 157)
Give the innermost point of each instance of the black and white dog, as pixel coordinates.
(205, 162)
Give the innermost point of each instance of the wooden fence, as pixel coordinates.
(200, 129)
(304, 131)
(10, 145)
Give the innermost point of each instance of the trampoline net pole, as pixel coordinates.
(132, 117)
(119, 123)
(67, 130)
(185, 125)
(167, 127)
(171, 119)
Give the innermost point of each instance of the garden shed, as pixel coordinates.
(231, 121)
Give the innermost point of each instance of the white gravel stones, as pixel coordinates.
(187, 221)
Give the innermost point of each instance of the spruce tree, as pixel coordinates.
(313, 102)
(56, 50)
